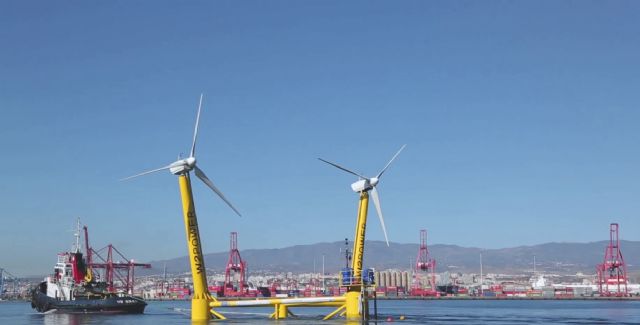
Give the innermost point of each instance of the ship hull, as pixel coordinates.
(111, 305)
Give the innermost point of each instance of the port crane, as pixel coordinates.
(235, 276)
(4, 276)
(1, 281)
(612, 273)
(424, 275)
(118, 274)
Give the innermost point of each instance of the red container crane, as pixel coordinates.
(235, 275)
(612, 273)
(118, 275)
(424, 274)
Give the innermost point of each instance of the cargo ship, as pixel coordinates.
(73, 289)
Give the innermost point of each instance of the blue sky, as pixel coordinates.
(520, 119)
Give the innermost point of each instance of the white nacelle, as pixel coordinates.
(179, 167)
(361, 185)
(183, 165)
(177, 170)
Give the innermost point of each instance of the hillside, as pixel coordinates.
(552, 257)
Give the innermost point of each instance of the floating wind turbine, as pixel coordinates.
(366, 184)
(184, 166)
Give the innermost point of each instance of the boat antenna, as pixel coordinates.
(77, 235)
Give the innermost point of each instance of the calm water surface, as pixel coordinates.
(415, 312)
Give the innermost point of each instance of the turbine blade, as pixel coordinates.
(147, 172)
(376, 202)
(195, 132)
(390, 161)
(209, 183)
(342, 168)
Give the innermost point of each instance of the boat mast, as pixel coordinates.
(76, 249)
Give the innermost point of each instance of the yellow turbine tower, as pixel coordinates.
(352, 307)
(201, 298)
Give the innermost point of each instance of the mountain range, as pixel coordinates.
(561, 258)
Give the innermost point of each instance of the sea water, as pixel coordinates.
(413, 312)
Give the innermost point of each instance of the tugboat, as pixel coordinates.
(72, 289)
